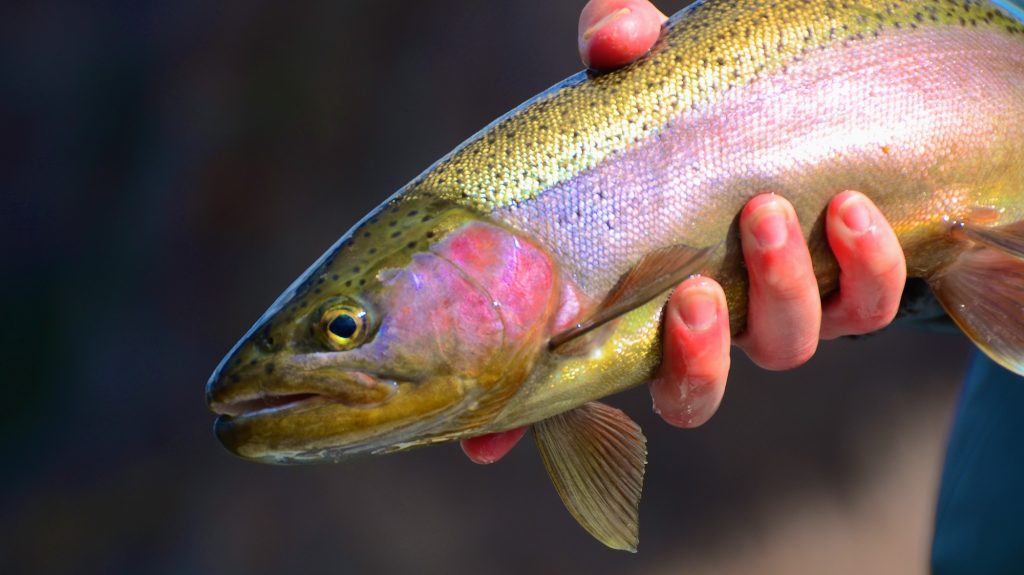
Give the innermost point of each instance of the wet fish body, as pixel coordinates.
(433, 318)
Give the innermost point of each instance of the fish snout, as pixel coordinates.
(250, 383)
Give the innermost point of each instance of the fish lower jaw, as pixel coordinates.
(268, 403)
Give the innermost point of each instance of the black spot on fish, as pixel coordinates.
(268, 369)
(334, 277)
(430, 234)
(396, 234)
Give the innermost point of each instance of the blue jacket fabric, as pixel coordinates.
(979, 523)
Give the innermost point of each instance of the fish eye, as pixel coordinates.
(343, 326)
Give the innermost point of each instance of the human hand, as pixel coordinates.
(785, 317)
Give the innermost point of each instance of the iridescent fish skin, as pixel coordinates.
(918, 104)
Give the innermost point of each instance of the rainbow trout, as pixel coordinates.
(521, 278)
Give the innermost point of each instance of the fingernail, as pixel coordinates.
(855, 214)
(769, 225)
(699, 309)
(597, 26)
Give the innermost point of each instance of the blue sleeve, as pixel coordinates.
(979, 523)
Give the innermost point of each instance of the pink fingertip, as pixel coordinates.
(613, 33)
(769, 225)
(489, 448)
(855, 214)
(699, 309)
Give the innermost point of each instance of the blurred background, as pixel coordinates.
(170, 167)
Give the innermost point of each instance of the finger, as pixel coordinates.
(613, 33)
(784, 308)
(872, 269)
(691, 381)
(489, 448)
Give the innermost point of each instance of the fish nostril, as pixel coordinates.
(265, 341)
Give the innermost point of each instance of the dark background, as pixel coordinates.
(169, 168)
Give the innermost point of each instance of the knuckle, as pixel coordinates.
(789, 356)
(858, 318)
(884, 263)
(705, 374)
(786, 276)
(785, 285)
(873, 317)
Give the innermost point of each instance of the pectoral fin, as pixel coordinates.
(983, 291)
(655, 274)
(1007, 239)
(595, 455)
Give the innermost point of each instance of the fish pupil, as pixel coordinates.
(343, 326)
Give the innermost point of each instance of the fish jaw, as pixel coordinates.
(322, 428)
(455, 329)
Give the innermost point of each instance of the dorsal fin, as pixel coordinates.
(595, 455)
(983, 291)
(655, 274)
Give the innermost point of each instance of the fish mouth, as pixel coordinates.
(253, 394)
(329, 414)
(269, 403)
(295, 413)
(256, 384)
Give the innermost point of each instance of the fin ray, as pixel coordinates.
(595, 455)
(655, 274)
(1007, 239)
(983, 291)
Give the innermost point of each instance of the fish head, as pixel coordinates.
(415, 328)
